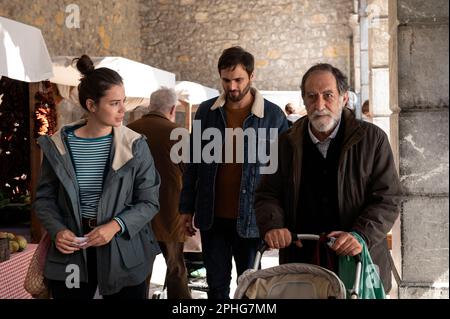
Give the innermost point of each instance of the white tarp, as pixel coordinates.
(140, 80)
(194, 93)
(281, 98)
(23, 53)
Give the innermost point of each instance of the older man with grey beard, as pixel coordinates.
(336, 176)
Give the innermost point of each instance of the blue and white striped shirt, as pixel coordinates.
(90, 157)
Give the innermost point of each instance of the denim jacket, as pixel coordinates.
(197, 195)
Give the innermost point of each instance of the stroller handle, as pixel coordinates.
(295, 237)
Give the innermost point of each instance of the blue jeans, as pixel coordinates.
(219, 244)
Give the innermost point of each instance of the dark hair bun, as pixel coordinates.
(84, 64)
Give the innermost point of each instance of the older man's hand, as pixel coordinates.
(345, 244)
(279, 238)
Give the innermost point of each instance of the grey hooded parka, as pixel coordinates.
(130, 190)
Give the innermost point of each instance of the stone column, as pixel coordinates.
(377, 11)
(353, 22)
(364, 53)
(385, 115)
(419, 87)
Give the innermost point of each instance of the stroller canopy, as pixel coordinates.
(290, 281)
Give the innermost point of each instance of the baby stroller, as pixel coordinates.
(295, 280)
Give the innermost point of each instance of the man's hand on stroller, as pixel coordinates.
(345, 244)
(279, 238)
(186, 220)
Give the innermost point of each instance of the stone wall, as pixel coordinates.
(106, 28)
(423, 96)
(187, 37)
(285, 36)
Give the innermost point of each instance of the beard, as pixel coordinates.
(325, 120)
(240, 96)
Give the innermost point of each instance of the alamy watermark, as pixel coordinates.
(73, 17)
(73, 277)
(258, 143)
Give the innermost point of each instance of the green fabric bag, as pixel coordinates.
(371, 286)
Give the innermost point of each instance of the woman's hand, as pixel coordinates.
(66, 242)
(101, 235)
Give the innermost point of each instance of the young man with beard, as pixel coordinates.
(336, 175)
(221, 193)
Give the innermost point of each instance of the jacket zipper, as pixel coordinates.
(350, 142)
(217, 167)
(296, 186)
(73, 177)
(77, 190)
(107, 177)
(242, 176)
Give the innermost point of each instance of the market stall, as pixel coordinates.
(190, 95)
(24, 63)
(23, 53)
(13, 272)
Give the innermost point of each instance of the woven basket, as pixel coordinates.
(35, 282)
(4, 249)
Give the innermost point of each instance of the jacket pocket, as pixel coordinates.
(55, 256)
(131, 251)
(150, 237)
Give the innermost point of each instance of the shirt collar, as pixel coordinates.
(333, 134)
(257, 107)
(158, 114)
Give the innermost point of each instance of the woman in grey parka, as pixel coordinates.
(97, 193)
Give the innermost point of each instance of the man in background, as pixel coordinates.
(293, 113)
(167, 224)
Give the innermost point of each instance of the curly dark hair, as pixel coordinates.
(233, 56)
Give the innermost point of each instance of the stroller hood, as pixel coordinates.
(290, 281)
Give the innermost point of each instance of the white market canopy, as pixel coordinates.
(140, 80)
(194, 93)
(23, 53)
(281, 98)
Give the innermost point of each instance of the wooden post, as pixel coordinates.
(36, 229)
(188, 117)
(187, 113)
